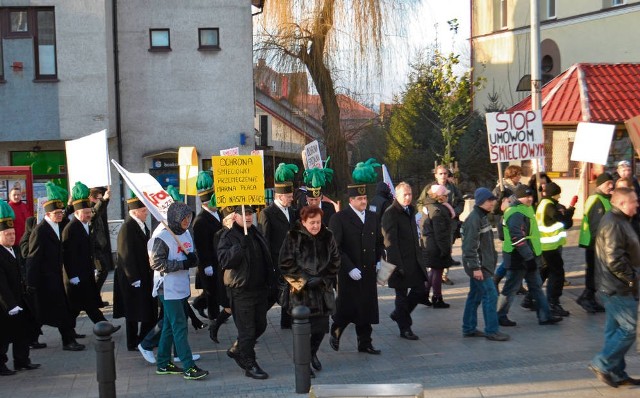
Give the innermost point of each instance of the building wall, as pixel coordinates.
(185, 97)
(502, 56)
(77, 104)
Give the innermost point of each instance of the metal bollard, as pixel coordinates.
(301, 329)
(105, 360)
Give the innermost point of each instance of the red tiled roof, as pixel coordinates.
(350, 109)
(608, 93)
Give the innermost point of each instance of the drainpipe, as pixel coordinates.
(116, 76)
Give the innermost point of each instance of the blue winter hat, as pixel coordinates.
(482, 195)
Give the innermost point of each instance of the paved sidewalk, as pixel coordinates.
(539, 361)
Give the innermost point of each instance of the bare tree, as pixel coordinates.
(325, 37)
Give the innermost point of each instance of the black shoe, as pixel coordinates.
(393, 316)
(629, 381)
(529, 304)
(198, 325)
(551, 321)
(312, 374)
(255, 372)
(37, 345)
(408, 334)
(215, 326)
(170, 369)
(557, 310)
(522, 290)
(447, 281)
(73, 346)
(426, 301)
(455, 262)
(29, 366)
(5, 371)
(603, 377)
(195, 373)
(315, 362)
(370, 350)
(231, 353)
(334, 342)
(104, 304)
(438, 302)
(79, 336)
(506, 322)
(475, 333)
(586, 305)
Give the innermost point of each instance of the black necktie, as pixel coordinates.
(146, 231)
(406, 210)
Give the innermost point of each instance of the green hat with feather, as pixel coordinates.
(6, 216)
(204, 185)
(174, 193)
(363, 174)
(80, 196)
(134, 202)
(284, 175)
(315, 179)
(56, 197)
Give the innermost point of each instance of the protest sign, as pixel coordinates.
(312, 155)
(88, 160)
(230, 152)
(592, 143)
(515, 136)
(148, 190)
(188, 162)
(238, 180)
(633, 128)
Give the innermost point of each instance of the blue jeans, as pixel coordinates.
(511, 287)
(619, 335)
(501, 271)
(484, 292)
(174, 331)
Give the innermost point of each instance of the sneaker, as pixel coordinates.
(475, 333)
(147, 354)
(195, 358)
(170, 369)
(195, 373)
(497, 336)
(557, 310)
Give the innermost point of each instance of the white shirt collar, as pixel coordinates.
(54, 225)
(213, 213)
(282, 208)
(358, 212)
(10, 250)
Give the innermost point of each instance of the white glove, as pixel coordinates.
(378, 266)
(15, 310)
(208, 271)
(355, 274)
(75, 280)
(136, 284)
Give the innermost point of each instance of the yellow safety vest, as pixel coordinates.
(534, 234)
(585, 229)
(552, 236)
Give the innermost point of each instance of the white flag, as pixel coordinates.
(148, 190)
(386, 178)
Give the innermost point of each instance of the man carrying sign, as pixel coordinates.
(248, 275)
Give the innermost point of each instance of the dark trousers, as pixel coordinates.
(136, 331)
(434, 282)
(405, 303)
(102, 270)
(68, 335)
(249, 309)
(316, 339)
(363, 331)
(589, 276)
(92, 311)
(20, 351)
(553, 273)
(211, 295)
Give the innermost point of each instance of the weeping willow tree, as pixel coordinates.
(331, 40)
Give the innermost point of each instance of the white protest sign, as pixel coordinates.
(592, 142)
(515, 136)
(312, 155)
(230, 152)
(88, 160)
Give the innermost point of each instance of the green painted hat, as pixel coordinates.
(80, 196)
(56, 197)
(204, 185)
(6, 216)
(284, 175)
(315, 179)
(175, 193)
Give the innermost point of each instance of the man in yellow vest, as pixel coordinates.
(594, 209)
(553, 222)
(521, 250)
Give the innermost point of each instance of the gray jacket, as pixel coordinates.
(478, 250)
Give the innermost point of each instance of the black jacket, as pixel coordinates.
(205, 227)
(274, 226)
(617, 255)
(436, 235)
(238, 262)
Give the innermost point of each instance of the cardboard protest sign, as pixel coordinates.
(238, 180)
(148, 190)
(592, 142)
(633, 128)
(88, 160)
(515, 136)
(188, 162)
(230, 152)
(311, 155)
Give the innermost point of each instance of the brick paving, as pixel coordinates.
(539, 361)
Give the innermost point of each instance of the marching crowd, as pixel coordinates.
(301, 251)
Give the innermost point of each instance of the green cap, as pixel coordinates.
(6, 216)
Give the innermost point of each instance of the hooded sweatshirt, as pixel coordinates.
(167, 257)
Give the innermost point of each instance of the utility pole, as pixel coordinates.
(536, 80)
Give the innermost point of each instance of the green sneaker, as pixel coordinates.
(195, 373)
(170, 369)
